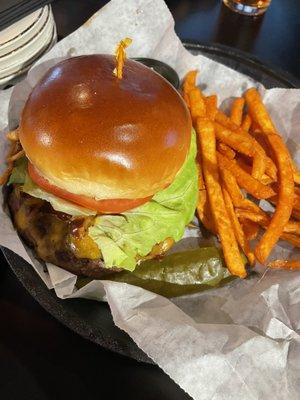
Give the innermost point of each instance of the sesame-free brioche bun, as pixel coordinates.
(92, 134)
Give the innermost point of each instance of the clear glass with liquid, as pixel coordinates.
(248, 7)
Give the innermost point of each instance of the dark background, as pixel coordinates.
(41, 359)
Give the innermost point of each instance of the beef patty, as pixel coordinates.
(61, 239)
(56, 237)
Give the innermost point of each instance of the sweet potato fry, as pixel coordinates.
(6, 174)
(211, 103)
(246, 124)
(232, 187)
(263, 219)
(265, 179)
(271, 169)
(238, 231)
(291, 238)
(297, 190)
(236, 113)
(258, 111)
(16, 156)
(283, 211)
(285, 264)
(15, 152)
(226, 150)
(259, 166)
(296, 176)
(296, 201)
(244, 144)
(203, 207)
(250, 228)
(222, 119)
(13, 135)
(236, 195)
(284, 206)
(244, 180)
(197, 104)
(296, 215)
(206, 134)
(189, 83)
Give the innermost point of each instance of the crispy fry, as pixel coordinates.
(189, 82)
(288, 237)
(234, 191)
(284, 206)
(250, 228)
(263, 219)
(13, 135)
(297, 190)
(222, 119)
(226, 150)
(259, 167)
(285, 264)
(238, 231)
(260, 138)
(296, 201)
(291, 238)
(258, 111)
(236, 114)
(206, 134)
(271, 169)
(5, 175)
(211, 103)
(197, 104)
(120, 57)
(244, 180)
(296, 215)
(246, 123)
(15, 152)
(186, 99)
(296, 173)
(16, 156)
(203, 208)
(265, 179)
(232, 187)
(296, 176)
(244, 144)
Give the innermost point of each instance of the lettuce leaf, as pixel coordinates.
(123, 238)
(58, 204)
(18, 173)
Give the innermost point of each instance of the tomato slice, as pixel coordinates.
(109, 206)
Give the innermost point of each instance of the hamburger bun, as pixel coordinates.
(92, 134)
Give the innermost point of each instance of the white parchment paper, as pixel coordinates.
(238, 342)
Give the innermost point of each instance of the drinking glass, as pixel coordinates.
(248, 7)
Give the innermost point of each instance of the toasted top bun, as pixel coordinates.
(95, 135)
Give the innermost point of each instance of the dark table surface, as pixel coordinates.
(41, 359)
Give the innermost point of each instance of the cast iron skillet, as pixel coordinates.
(92, 319)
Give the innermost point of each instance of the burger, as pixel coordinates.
(107, 176)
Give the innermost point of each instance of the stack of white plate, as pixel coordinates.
(22, 43)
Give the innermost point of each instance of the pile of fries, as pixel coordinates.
(241, 155)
